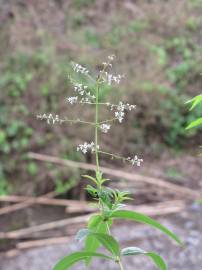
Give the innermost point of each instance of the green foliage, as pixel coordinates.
(70, 260)
(137, 251)
(173, 173)
(64, 186)
(105, 240)
(161, 54)
(192, 24)
(83, 3)
(195, 123)
(137, 25)
(96, 225)
(4, 188)
(32, 168)
(138, 217)
(92, 38)
(195, 102)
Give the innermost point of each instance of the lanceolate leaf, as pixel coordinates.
(195, 123)
(130, 215)
(81, 234)
(138, 251)
(91, 178)
(96, 225)
(195, 101)
(104, 239)
(73, 258)
(108, 242)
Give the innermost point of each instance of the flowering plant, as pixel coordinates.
(110, 202)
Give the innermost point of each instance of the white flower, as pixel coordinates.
(111, 57)
(80, 88)
(72, 100)
(80, 69)
(110, 78)
(120, 110)
(85, 147)
(49, 118)
(105, 128)
(119, 115)
(135, 160)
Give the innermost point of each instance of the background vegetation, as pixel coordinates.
(158, 47)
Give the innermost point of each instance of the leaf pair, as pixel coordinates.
(113, 247)
(98, 229)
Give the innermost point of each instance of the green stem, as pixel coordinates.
(78, 121)
(120, 265)
(96, 127)
(109, 120)
(112, 155)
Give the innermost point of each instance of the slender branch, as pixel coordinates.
(113, 155)
(109, 120)
(78, 121)
(94, 103)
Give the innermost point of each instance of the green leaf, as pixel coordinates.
(125, 214)
(195, 123)
(73, 258)
(108, 242)
(91, 190)
(96, 225)
(138, 251)
(90, 178)
(195, 101)
(94, 221)
(81, 234)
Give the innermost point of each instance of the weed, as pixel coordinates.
(109, 201)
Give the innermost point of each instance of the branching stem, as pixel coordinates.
(96, 126)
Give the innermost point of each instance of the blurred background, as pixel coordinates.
(158, 45)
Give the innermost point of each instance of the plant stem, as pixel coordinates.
(113, 155)
(96, 126)
(121, 265)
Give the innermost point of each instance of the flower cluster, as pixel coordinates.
(105, 128)
(106, 76)
(50, 118)
(110, 78)
(108, 63)
(120, 110)
(81, 90)
(72, 100)
(85, 147)
(80, 69)
(135, 160)
(83, 95)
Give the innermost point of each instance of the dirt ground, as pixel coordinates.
(186, 224)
